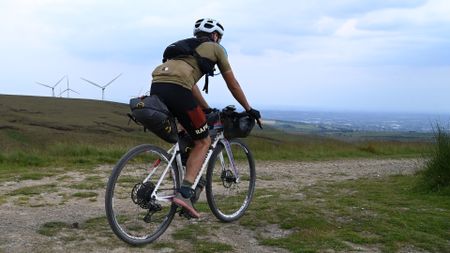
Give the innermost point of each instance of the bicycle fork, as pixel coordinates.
(227, 146)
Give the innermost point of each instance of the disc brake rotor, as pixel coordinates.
(228, 179)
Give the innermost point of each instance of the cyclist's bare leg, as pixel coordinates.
(196, 158)
(194, 163)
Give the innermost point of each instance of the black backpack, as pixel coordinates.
(186, 47)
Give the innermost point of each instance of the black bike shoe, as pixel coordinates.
(186, 203)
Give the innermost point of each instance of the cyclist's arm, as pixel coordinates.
(235, 89)
(199, 98)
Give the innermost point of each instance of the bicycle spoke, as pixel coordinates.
(230, 188)
(133, 214)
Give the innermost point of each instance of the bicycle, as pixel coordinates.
(139, 192)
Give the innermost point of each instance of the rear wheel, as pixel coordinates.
(134, 216)
(229, 191)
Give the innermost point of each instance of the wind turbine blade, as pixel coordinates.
(63, 92)
(91, 82)
(59, 81)
(44, 85)
(112, 80)
(74, 91)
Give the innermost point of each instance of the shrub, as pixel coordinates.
(436, 176)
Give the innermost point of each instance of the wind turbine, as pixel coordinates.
(52, 87)
(68, 90)
(102, 87)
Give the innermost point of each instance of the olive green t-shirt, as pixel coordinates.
(185, 71)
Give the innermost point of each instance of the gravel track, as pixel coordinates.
(20, 221)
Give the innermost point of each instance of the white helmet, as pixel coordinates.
(208, 25)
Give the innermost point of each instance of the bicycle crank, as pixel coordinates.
(184, 213)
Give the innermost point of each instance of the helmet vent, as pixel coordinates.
(208, 25)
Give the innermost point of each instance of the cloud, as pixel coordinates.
(104, 30)
(302, 47)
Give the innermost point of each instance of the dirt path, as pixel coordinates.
(21, 217)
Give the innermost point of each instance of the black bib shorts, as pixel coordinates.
(183, 106)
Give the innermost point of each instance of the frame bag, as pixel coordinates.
(153, 114)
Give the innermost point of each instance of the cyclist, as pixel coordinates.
(174, 82)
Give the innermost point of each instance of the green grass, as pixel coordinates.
(34, 190)
(52, 228)
(189, 232)
(97, 231)
(163, 245)
(57, 158)
(43, 136)
(386, 213)
(85, 153)
(193, 232)
(279, 146)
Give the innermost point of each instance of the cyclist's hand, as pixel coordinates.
(255, 114)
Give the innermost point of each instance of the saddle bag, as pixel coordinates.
(153, 114)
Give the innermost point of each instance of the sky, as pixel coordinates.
(357, 55)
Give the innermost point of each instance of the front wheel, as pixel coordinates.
(230, 188)
(134, 216)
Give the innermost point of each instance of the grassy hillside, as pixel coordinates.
(30, 122)
(60, 132)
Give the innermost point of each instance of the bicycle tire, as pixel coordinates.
(125, 217)
(229, 200)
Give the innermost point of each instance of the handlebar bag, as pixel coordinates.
(237, 125)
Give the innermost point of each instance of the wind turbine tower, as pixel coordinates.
(52, 87)
(68, 90)
(102, 87)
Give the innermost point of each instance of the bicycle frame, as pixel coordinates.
(174, 151)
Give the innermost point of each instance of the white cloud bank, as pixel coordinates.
(362, 55)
